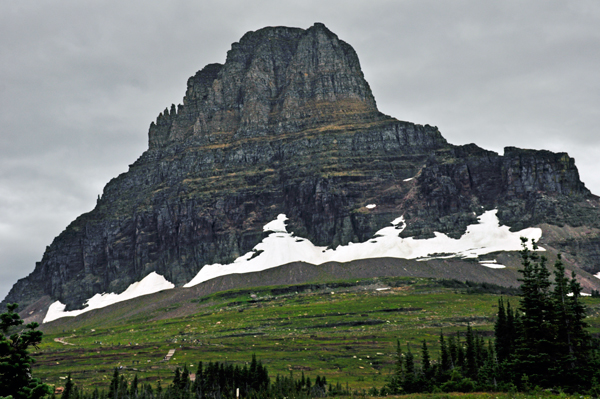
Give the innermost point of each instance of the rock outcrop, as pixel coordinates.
(289, 125)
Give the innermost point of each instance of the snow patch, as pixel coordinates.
(150, 284)
(370, 206)
(277, 225)
(281, 247)
(492, 264)
(400, 221)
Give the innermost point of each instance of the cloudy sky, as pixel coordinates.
(80, 83)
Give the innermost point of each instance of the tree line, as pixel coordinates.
(212, 381)
(542, 344)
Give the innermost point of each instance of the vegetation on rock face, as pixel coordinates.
(16, 380)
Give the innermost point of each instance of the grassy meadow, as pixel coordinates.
(345, 331)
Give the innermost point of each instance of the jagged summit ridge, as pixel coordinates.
(288, 125)
(275, 81)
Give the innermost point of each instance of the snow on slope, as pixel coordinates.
(281, 247)
(492, 264)
(150, 284)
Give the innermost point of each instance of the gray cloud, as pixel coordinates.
(81, 81)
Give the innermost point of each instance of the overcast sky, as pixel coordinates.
(80, 82)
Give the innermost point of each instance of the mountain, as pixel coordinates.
(288, 126)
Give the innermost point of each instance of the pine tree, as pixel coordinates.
(471, 355)
(122, 391)
(460, 353)
(197, 385)
(68, 391)
(133, 391)
(425, 360)
(571, 349)
(453, 350)
(512, 324)
(399, 361)
(501, 333)
(113, 389)
(564, 358)
(535, 341)
(15, 361)
(184, 381)
(409, 384)
(177, 378)
(395, 385)
(445, 361)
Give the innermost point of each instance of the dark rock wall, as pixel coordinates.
(288, 125)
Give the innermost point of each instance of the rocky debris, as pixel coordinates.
(289, 125)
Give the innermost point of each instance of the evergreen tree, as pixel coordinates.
(68, 391)
(184, 381)
(564, 356)
(395, 385)
(159, 389)
(177, 378)
(113, 389)
(15, 362)
(572, 346)
(409, 384)
(399, 360)
(453, 350)
(197, 385)
(133, 391)
(425, 360)
(445, 361)
(471, 354)
(481, 352)
(512, 324)
(501, 332)
(535, 341)
(122, 391)
(460, 353)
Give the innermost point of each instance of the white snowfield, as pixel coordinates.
(492, 264)
(281, 247)
(150, 284)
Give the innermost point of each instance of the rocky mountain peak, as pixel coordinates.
(288, 125)
(275, 81)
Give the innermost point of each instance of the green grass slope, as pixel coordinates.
(345, 330)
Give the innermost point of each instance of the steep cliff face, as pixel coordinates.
(275, 81)
(289, 125)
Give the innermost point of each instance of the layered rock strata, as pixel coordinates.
(289, 125)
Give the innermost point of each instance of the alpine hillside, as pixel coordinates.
(289, 125)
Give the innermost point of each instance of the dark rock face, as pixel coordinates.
(289, 125)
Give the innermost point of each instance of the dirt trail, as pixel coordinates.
(62, 340)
